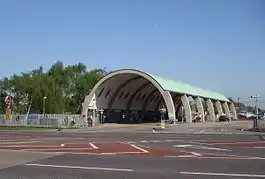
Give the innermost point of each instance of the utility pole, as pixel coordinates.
(255, 121)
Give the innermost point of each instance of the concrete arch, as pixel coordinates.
(148, 99)
(210, 109)
(198, 102)
(117, 91)
(135, 93)
(137, 74)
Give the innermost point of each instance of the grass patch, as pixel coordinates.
(33, 127)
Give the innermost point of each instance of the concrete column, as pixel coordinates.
(210, 109)
(199, 106)
(187, 109)
(233, 110)
(227, 111)
(169, 105)
(219, 108)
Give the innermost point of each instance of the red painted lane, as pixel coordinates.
(32, 147)
(78, 148)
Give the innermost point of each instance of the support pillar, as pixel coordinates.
(187, 109)
(169, 105)
(233, 110)
(219, 108)
(227, 111)
(210, 109)
(199, 106)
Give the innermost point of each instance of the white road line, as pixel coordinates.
(130, 142)
(224, 174)
(259, 147)
(169, 140)
(182, 146)
(82, 168)
(202, 131)
(93, 145)
(213, 148)
(31, 146)
(139, 148)
(199, 147)
(58, 149)
(155, 141)
(119, 153)
(20, 142)
(242, 142)
(229, 158)
(195, 153)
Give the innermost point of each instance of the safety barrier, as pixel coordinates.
(47, 120)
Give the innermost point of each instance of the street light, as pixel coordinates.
(255, 121)
(44, 99)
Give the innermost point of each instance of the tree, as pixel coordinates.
(64, 86)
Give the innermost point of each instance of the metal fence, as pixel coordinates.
(47, 120)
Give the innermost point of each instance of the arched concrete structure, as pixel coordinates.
(219, 108)
(210, 109)
(198, 102)
(130, 89)
(130, 80)
(233, 110)
(226, 110)
(187, 109)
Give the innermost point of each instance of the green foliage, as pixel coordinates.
(64, 86)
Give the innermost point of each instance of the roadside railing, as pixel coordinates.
(47, 120)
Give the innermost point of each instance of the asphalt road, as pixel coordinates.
(119, 167)
(206, 156)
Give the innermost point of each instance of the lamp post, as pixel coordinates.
(255, 121)
(44, 99)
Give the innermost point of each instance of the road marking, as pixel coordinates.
(29, 146)
(202, 131)
(182, 146)
(155, 141)
(19, 142)
(93, 145)
(130, 142)
(235, 143)
(80, 167)
(195, 153)
(213, 148)
(58, 149)
(224, 174)
(259, 147)
(223, 157)
(139, 148)
(200, 147)
(117, 153)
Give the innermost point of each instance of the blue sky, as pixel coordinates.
(214, 44)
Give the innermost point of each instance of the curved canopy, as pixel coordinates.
(164, 84)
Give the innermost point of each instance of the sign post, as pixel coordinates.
(101, 116)
(162, 123)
